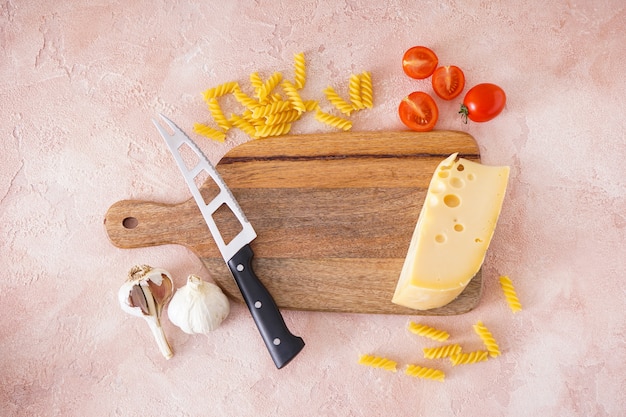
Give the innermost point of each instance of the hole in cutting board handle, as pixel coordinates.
(130, 222)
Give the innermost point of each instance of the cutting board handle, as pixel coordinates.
(136, 224)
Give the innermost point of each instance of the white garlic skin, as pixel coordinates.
(198, 307)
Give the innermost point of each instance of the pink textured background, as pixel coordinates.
(79, 82)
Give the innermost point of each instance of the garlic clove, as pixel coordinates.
(198, 306)
(144, 294)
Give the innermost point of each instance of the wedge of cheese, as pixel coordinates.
(452, 234)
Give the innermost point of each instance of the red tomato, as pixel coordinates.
(419, 62)
(448, 82)
(419, 112)
(482, 103)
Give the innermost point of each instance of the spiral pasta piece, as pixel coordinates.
(427, 331)
(244, 99)
(216, 111)
(354, 91)
(265, 131)
(332, 120)
(337, 101)
(271, 108)
(209, 132)
(442, 351)
(311, 105)
(425, 373)
(488, 340)
(299, 66)
(220, 90)
(510, 294)
(367, 93)
(269, 85)
(257, 82)
(243, 124)
(378, 362)
(282, 117)
(469, 358)
(294, 96)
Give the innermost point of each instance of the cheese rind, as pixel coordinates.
(453, 232)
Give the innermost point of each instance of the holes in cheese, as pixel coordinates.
(452, 234)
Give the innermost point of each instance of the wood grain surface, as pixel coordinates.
(334, 214)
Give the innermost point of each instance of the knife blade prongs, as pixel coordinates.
(223, 196)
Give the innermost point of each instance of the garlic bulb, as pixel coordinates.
(198, 306)
(144, 294)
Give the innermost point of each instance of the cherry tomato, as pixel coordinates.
(419, 112)
(419, 62)
(482, 103)
(448, 82)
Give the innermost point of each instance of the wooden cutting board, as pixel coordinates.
(334, 214)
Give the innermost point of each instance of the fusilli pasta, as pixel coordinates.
(427, 331)
(270, 113)
(488, 340)
(216, 111)
(299, 66)
(209, 132)
(266, 89)
(469, 358)
(243, 124)
(257, 82)
(264, 131)
(220, 90)
(378, 362)
(367, 93)
(244, 99)
(442, 351)
(332, 120)
(294, 96)
(271, 108)
(354, 91)
(282, 117)
(510, 294)
(425, 373)
(337, 101)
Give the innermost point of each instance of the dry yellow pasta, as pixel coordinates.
(264, 131)
(299, 66)
(216, 112)
(510, 294)
(282, 117)
(444, 351)
(337, 101)
(220, 90)
(378, 362)
(256, 81)
(243, 124)
(311, 105)
(488, 340)
(244, 99)
(266, 89)
(271, 108)
(427, 331)
(367, 95)
(209, 132)
(270, 113)
(469, 358)
(332, 120)
(354, 91)
(425, 373)
(294, 96)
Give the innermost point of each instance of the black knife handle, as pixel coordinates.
(282, 345)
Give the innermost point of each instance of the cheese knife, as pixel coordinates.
(282, 345)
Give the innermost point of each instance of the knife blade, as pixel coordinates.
(282, 345)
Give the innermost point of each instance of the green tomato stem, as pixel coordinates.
(464, 112)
